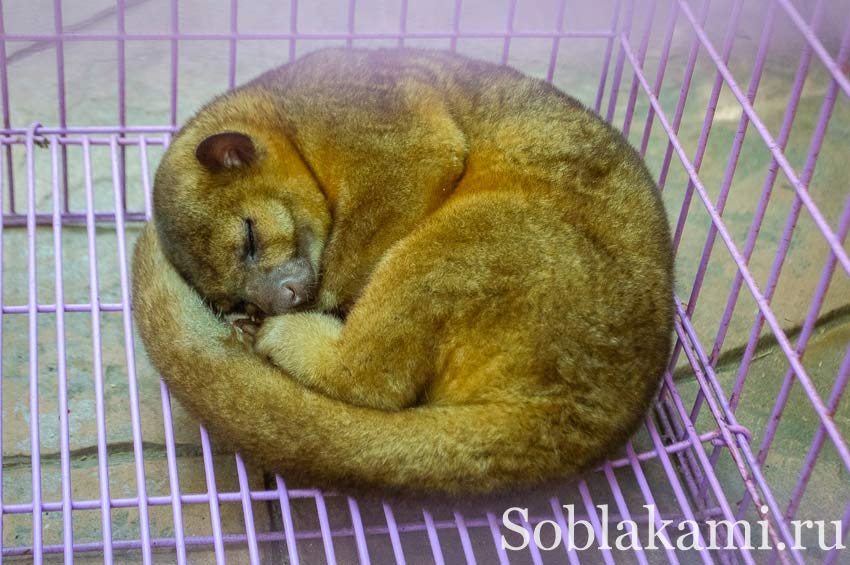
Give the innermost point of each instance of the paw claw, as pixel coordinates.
(247, 326)
(245, 330)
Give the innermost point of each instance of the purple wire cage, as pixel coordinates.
(99, 464)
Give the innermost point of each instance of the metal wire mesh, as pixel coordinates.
(98, 463)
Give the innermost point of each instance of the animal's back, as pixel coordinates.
(517, 132)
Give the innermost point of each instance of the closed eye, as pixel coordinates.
(250, 241)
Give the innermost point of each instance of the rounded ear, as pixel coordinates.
(226, 150)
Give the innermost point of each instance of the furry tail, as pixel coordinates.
(290, 429)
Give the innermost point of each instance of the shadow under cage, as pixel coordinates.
(742, 112)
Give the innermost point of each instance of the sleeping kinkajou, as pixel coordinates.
(501, 252)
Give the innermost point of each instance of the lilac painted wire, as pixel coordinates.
(834, 68)
(684, 91)
(167, 421)
(129, 347)
(102, 452)
(674, 430)
(712, 479)
(171, 456)
(640, 555)
(690, 467)
(803, 339)
(350, 24)
(465, 542)
(392, 530)
(268, 495)
(247, 511)
(770, 142)
(817, 443)
(161, 500)
(293, 28)
(644, 45)
(791, 221)
(497, 538)
(2, 300)
(770, 318)
(69, 307)
(229, 539)
(556, 42)
(72, 218)
(767, 189)
(61, 362)
(60, 91)
(7, 123)
(659, 75)
(708, 121)
(593, 517)
(88, 130)
(277, 537)
(811, 159)
(734, 154)
(122, 74)
(359, 533)
(255, 495)
(814, 149)
(754, 477)
(739, 450)
(35, 443)
(240, 539)
(402, 31)
(533, 550)
(618, 68)
(200, 541)
(572, 555)
(606, 58)
(231, 67)
(173, 475)
(174, 28)
(307, 36)
(455, 26)
(286, 514)
(325, 528)
(215, 514)
(648, 497)
(681, 497)
(433, 538)
(145, 174)
(509, 30)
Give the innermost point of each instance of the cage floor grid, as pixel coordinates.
(95, 231)
(98, 463)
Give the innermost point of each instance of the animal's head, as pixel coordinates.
(242, 218)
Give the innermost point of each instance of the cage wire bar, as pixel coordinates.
(678, 454)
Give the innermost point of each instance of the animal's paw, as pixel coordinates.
(245, 331)
(302, 344)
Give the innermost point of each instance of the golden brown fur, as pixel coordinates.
(502, 251)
